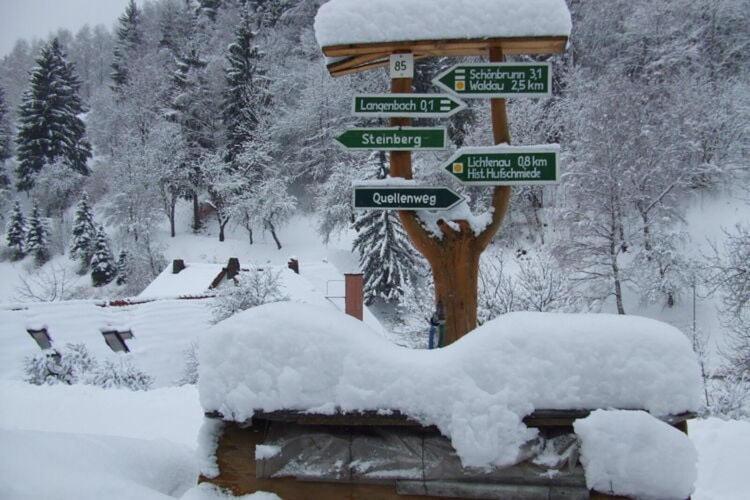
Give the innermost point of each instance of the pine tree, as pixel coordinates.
(128, 39)
(5, 140)
(84, 234)
(15, 234)
(49, 126)
(387, 259)
(103, 266)
(37, 237)
(244, 95)
(122, 268)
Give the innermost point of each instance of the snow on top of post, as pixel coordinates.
(631, 453)
(341, 22)
(291, 356)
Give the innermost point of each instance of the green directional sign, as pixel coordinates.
(505, 165)
(395, 138)
(497, 80)
(405, 198)
(407, 105)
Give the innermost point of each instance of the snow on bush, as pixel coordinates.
(477, 391)
(355, 21)
(52, 367)
(252, 289)
(120, 373)
(632, 453)
(190, 370)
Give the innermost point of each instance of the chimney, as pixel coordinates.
(177, 266)
(354, 295)
(233, 267)
(293, 264)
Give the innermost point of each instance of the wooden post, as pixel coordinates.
(454, 259)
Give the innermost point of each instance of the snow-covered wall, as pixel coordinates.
(356, 21)
(477, 391)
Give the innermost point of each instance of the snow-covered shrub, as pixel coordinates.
(52, 367)
(538, 285)
(730, 396)
(190, 369)
(120, 373)
(50, 283)
(252, 289)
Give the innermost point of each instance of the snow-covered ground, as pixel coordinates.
(62, 442)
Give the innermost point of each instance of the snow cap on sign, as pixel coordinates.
(372, 21)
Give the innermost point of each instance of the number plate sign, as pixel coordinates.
(505, 165)
(401, 65)
(497, 80)
(407, 105)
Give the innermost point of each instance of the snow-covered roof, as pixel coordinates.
(341, 22)
(162, 331)
(289, 356)
(195, 279)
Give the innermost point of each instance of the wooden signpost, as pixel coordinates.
(497, 80)
(405, 198)
(408, 105)
(395, 139)
(454, 258)
(504, 166)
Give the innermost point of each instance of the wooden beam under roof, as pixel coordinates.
(356, 57)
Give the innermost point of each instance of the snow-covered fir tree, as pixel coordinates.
(84, 234)
(37, 237)
(49, 125)
(386, 257)
(15, 233)
(103, 265)
(244, 95)
(129, 37)
(6, 140)
(122, 268)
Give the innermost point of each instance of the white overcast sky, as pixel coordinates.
(37, 18)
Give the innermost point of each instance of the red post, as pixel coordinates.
(354, 295)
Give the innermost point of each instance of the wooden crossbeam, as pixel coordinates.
(367, 56)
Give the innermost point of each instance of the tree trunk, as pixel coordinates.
(454, 259)
(196, 214)
(222, 225)
(271, 228)
(456, 275)
(172, 205)
(613, 249)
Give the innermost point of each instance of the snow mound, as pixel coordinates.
(631, 453)
(49, 465)
(207, 491)
(477, 391)
(354, 21)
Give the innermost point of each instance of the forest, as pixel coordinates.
(225, 109)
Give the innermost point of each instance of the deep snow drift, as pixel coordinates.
(355, 21)
(632, 453)
(295, 356)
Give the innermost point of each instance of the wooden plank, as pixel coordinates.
(455, 46)
(356, 61)
(461, 489)
(539, 418)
